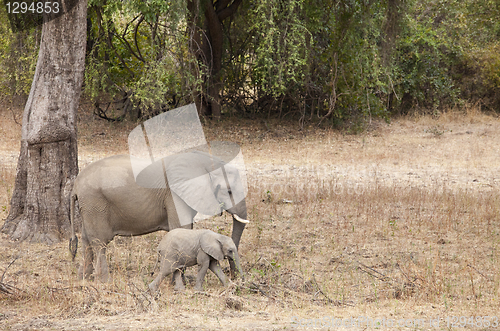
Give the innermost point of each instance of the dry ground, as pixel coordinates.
(400, 222)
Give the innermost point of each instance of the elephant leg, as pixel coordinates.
(102, 271)
(183, 275)
(203, 260)
(216, 269)
(166, 269)
(179, 284)
(88, 263)
(153, 286)
(96, 234)
(87, 268)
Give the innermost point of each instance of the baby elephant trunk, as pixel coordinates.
(235, 267)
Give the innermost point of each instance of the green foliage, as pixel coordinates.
(159, 79)
(345, 60)
(140, 52)
(18, 56)
(351, 60)
(480, 78)
(427, 50)
(448, 54)
(279, 55)
(347, 78)
(359, 75)
(479, 75)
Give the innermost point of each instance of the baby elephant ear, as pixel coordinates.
(211, 245)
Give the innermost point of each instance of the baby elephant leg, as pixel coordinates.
(183, 276)
(216, 269)
(166, 269)
(179, 284)
(203, 260)
(153, 286)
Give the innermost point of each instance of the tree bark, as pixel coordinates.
(48, 163)
(207, 45)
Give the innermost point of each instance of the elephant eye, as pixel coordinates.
(230, 192)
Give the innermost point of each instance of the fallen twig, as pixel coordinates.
(6, 288)
(470, 266)
(254, 286)
(383, 278)
(143, 293)
(255, 263)
(1, 280)
(337, 303)
(412, 282)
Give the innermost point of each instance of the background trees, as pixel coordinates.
(341, 60)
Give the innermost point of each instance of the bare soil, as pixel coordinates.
(399, 222)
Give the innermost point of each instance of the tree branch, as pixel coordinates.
(135, 38)
(123, 39)
(229, 11)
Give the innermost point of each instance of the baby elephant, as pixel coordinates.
(184, 248)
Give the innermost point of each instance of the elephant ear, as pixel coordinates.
(211, 245)
(188, 176)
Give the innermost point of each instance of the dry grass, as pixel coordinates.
(401, 221)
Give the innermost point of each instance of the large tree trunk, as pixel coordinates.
(48, 161)
(207, 46)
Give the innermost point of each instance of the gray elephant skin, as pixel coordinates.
(181, 248)
(111, 202)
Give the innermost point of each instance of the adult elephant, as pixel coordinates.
(164, 196)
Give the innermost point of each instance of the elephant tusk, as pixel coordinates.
(239, 219)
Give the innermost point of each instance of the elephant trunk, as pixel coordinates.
(234, 265)
(238, 228)
(235, 261)
(239, 222)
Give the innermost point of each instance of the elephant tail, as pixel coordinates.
(156, 264)
(73, 241)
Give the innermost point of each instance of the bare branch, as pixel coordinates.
(135, 39)
(229, 11)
